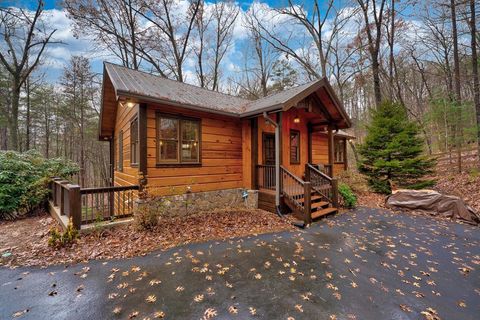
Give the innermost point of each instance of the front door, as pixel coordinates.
(269, 161)
(269, 149)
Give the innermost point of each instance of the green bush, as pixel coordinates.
(24, 179)
(60, 239)
(349, 198)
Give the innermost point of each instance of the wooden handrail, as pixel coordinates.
(285, 170)
(86, 205)
(311, 167)
(108, 189)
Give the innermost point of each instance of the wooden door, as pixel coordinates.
(269, 149)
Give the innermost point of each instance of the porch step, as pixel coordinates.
(323, 212)
(319, 205)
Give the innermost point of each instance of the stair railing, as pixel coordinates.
(294, 190)
(325, 186)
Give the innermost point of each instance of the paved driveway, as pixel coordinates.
(365, 264)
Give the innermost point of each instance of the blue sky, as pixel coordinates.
(58, 55)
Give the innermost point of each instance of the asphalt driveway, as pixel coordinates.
(365, 264)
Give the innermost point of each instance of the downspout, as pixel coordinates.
(277, 162)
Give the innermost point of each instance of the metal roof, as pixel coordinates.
(277, 99)
(131, 83)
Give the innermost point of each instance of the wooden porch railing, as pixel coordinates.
(297, 194)
(87, 205)
(323, 184)
(266, 177)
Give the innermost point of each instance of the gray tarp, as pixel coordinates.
(434, 203)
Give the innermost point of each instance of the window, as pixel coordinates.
(120, 151)
(134, 151)
(178, 140)
(294, 147)
(339, 150)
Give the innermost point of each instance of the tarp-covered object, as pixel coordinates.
(434, 203)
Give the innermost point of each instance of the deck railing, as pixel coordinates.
(323, 184)
(87, 205)
(297, 193)
(266, 176)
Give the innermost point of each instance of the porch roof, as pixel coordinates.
(123, 84)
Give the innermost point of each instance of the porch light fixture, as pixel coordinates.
(296, 119)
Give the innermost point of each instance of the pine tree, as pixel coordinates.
(393, 151)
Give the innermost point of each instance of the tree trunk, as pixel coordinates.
(476, 85)
(27, 120)
(458, 97)
(376, 79)
(13, 118)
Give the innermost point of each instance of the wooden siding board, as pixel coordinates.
(221, 149)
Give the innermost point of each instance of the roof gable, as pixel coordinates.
(122, 83)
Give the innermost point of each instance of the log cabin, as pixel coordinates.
(279, 153)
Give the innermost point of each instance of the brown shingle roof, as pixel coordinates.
(137, 84)
(129, 82)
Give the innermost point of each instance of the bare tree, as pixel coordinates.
(24, 39)
(259, 58)
(169, 35)
(114, 24)
(225, 15)
(202, 22)
(295, 45)
(476, 84)
(374, 36)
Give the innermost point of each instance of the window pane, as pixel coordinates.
(168, 128)
(190, 151)
(168, 150)
(134, 131)
(190, 130)
(294, 147)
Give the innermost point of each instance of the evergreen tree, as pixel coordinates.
(393, 151)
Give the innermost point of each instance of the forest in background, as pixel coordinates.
(420, 54)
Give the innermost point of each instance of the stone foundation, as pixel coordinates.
(189, 203)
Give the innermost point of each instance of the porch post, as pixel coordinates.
(254, 151)
(142, 141)
(331, 150)
(309, 134)
(112, 160)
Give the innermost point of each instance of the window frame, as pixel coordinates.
(337, 150)
(295, 132)
(179, 162)
(136, 143)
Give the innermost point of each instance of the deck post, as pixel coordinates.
(307, 172)
(331, 149)
(309, 144)
(307, 196)
(62, 195)
(74, 201)
(335, 192)
(54, 191)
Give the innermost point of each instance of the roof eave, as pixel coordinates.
(125, 94)
(253, 113)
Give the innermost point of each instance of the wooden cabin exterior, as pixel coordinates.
(172, 138)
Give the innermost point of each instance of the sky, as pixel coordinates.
(57, 55)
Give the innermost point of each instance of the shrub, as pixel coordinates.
(59, 239)
(393, 151)
(148, 213)
(349, 198)
(24, 179)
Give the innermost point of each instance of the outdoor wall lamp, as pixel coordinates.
(296, 119)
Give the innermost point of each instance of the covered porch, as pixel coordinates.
(310, 152)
